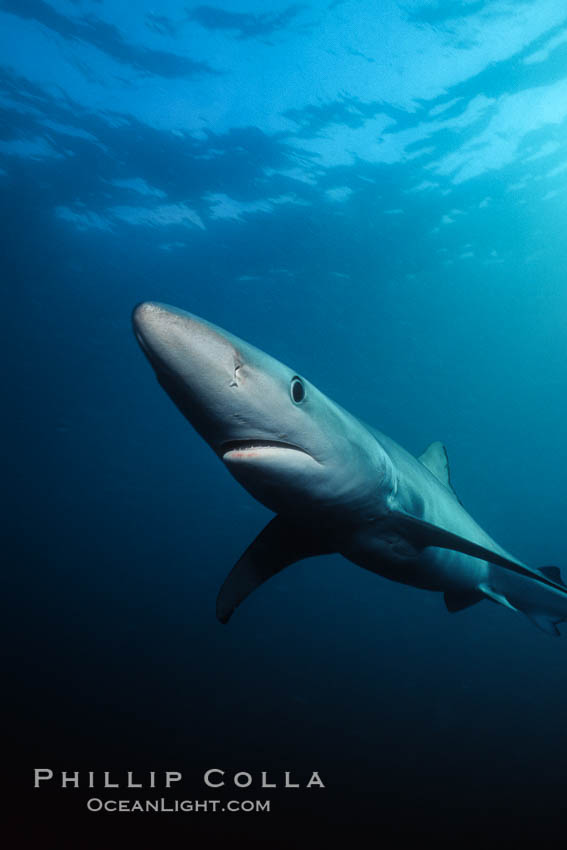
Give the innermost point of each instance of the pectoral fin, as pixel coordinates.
(280, 544)
(499, 598)
(422, 534)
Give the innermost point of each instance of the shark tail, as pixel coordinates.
(545, 607)
(546, 623)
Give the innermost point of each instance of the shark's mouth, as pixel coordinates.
(252, 447)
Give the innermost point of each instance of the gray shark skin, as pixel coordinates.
(334, 483)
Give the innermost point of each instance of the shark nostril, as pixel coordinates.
(234, 382)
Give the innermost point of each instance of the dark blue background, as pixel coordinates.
(122, 523)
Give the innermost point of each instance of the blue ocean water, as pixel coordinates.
(375, 195)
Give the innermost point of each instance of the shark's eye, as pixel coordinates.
(297, 390)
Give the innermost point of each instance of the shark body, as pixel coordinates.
(334, 483)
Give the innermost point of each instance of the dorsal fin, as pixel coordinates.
(436, 460)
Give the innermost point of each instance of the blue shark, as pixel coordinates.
(335, 484)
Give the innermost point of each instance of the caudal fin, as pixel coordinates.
(545, 607)
(546, 623)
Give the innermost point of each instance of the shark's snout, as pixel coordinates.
(196, 363)
(184, 345)
(273, 430)
(150, 321)
(142, 316)
(148, 317)
(246, 405)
